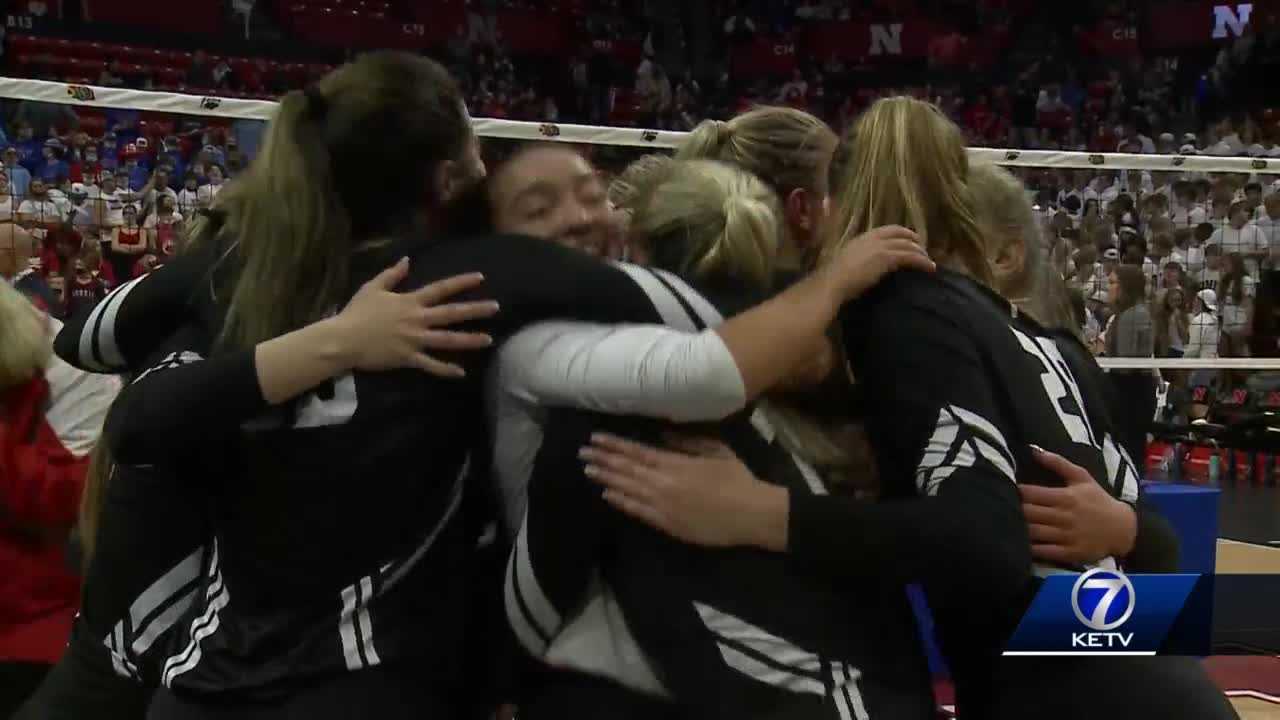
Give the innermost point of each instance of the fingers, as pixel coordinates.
(439, 368)
(623, 482)
(698, 446)
(433, 293)
(636, 509)
(1047, 534)
(636, 452)
(631, 471)
(911, 261)
(453, 340)
(1049, 497)
(1041, 515)
(1057, 554)
(392, 276)
(454, 313)
(1072, 473)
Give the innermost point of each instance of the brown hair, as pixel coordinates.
(906, 164)
(305, 204)
(1133, 286)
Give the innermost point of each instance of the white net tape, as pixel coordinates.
(263, 110)
(246, 109)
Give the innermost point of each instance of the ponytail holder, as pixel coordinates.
(723, 131)
(317, 103)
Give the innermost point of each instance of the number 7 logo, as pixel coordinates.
(1113, 583)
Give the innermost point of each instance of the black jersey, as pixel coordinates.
(719, 633)
(957, 387)
(337, 543)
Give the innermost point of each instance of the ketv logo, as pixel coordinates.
(1099, 613)
(1102, 600)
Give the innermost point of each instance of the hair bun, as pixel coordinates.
(724, 131)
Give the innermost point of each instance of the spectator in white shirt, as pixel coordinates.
(110, 207)
(38, 213)
(1243, 238)
(1210, 275)
(1269, 224)
(189, 195)
(1186, 212)
(1203, 333)
(206, 193)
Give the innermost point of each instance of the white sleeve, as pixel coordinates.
(624, 369)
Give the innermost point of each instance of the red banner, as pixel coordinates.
(857, 41)
(626, 51)
(764, 56)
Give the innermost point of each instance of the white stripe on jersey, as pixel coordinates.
(203, 626)
(804, 665)
(543, 613)
(104, 314)
(663, 300)
(1121, 472)
(347, 629)
(171, 361)
(982, 438)
(845, 691)
(160, 591)
(142, 641)
(768, 674)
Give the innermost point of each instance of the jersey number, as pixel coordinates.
(333, 408)
(1058, 384)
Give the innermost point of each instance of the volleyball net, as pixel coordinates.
(1187, 203)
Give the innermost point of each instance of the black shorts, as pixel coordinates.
(84, 685)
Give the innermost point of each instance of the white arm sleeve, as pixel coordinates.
(624, 369)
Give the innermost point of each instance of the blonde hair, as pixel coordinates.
(711, 221)
(904, 163)
(96, 479)
(25, 342)
(788, 148)
(306, 204)
(1004, 214)
(628, 189)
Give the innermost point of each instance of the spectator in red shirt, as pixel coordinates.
(84, 285)
(50, 418)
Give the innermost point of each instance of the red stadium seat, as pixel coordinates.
(170, 75)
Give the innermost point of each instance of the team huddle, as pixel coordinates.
(407, 451)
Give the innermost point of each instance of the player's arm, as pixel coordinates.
(165, 410)
(623, 369)
(536, 280)
(939, 438)
(119, 333)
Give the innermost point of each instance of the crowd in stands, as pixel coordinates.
(110, 208)
(1182, 256)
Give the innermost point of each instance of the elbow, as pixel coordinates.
(710, 383)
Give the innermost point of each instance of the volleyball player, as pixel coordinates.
(290, 579)
(936, 359)
(626, 624)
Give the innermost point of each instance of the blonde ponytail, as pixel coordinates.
(788, 148)
(25, 341)
(706, 141)
(96, 479)
(712, 222)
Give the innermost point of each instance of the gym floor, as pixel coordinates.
(1249, 544)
